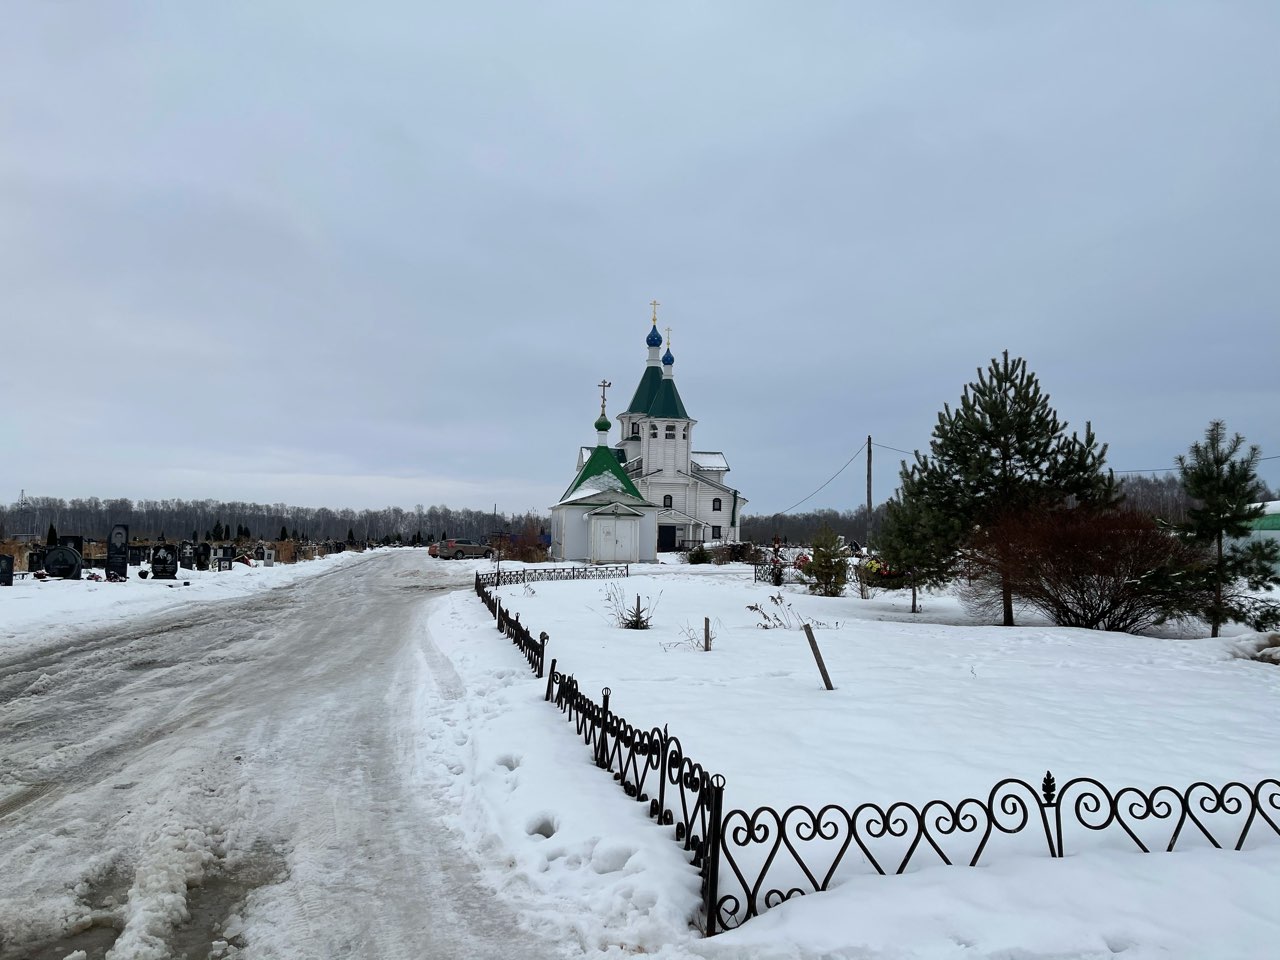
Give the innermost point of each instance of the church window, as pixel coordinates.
(671, 431)
(635, 429)
(666, 501)
(684, 434)
(715, 533)
(653, 431)
(715, 505)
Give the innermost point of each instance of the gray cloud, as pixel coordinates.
(355, 258)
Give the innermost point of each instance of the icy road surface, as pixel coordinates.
(242, 772)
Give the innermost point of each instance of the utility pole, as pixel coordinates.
(868, 543)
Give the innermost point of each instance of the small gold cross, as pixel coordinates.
(655, 305)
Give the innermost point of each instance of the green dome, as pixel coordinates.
(603, 424)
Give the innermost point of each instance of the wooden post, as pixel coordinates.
(817, 655)
(706, 634)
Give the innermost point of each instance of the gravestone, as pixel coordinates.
(260, 553)
(35, 561)
(269, 557)
(224, 564)
(164, 562)
(227, 553)
(118, 551)
(6, 570)
(62, 562)
(137, 555)
(187, 555)
(75, 542)
(204, 552)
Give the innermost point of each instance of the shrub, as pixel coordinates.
(699, 554)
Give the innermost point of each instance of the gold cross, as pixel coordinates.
(655, 304)
(604, 385)
(668, 336)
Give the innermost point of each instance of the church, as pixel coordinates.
(650, 492)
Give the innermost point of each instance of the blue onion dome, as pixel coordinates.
(654, 339)
(668, 358)
(603, 424)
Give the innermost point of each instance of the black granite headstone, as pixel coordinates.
(63, 562)
(260, 553)
(137, 555)
(35, 561)
(6, 570)
(204, 552)
(187, 555)
(224, 564)
(118, 551)
(75, 542)
(164, 561)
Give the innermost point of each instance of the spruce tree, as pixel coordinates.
(1225, 489)
(1003, 450)
(51, 538)
(284, 533)
(351, 535)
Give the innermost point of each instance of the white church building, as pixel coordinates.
(684, 488)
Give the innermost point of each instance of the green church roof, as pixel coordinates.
(1270, 521)
(657, 397)
(646, 391)
(600, 473)
(666, 403)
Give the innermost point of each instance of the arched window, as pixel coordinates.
(715, 505)
(666, 501)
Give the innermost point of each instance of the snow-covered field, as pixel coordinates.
(926, 706)
(922, 709)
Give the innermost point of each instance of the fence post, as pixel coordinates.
(715, 840)
(498, 615)
(602, 753)
(706, 634)
(551, 679)
(817, 655)
(662, 775)
(542, 651)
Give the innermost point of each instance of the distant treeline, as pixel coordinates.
(181, 519)
(1160, 496)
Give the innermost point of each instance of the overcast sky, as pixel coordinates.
(361, 255)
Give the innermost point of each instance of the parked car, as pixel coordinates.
(460, 549)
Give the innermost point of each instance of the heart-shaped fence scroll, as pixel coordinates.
(1222, 816)
(816, 841)
(888, 838)
(957, 834)
(749, 845)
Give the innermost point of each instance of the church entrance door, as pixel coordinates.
(666, 538)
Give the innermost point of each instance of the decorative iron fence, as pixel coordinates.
(604, 571)
(772, 857)
(783, 571)
(802, 850)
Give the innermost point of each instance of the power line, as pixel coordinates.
(855, 456)
(885, 446)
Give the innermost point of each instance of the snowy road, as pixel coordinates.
(248, 763)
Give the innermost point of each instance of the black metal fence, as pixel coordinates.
(504, 578)
(771, 857)
(778, 573)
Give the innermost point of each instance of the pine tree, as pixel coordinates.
(51, 538)
(1226, 492)
(828, 568)
(351, 535)
(284, 533)
(1002, 451)
(217, 530)
(917, 544)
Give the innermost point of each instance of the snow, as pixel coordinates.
(926, 706)
(36, 611)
